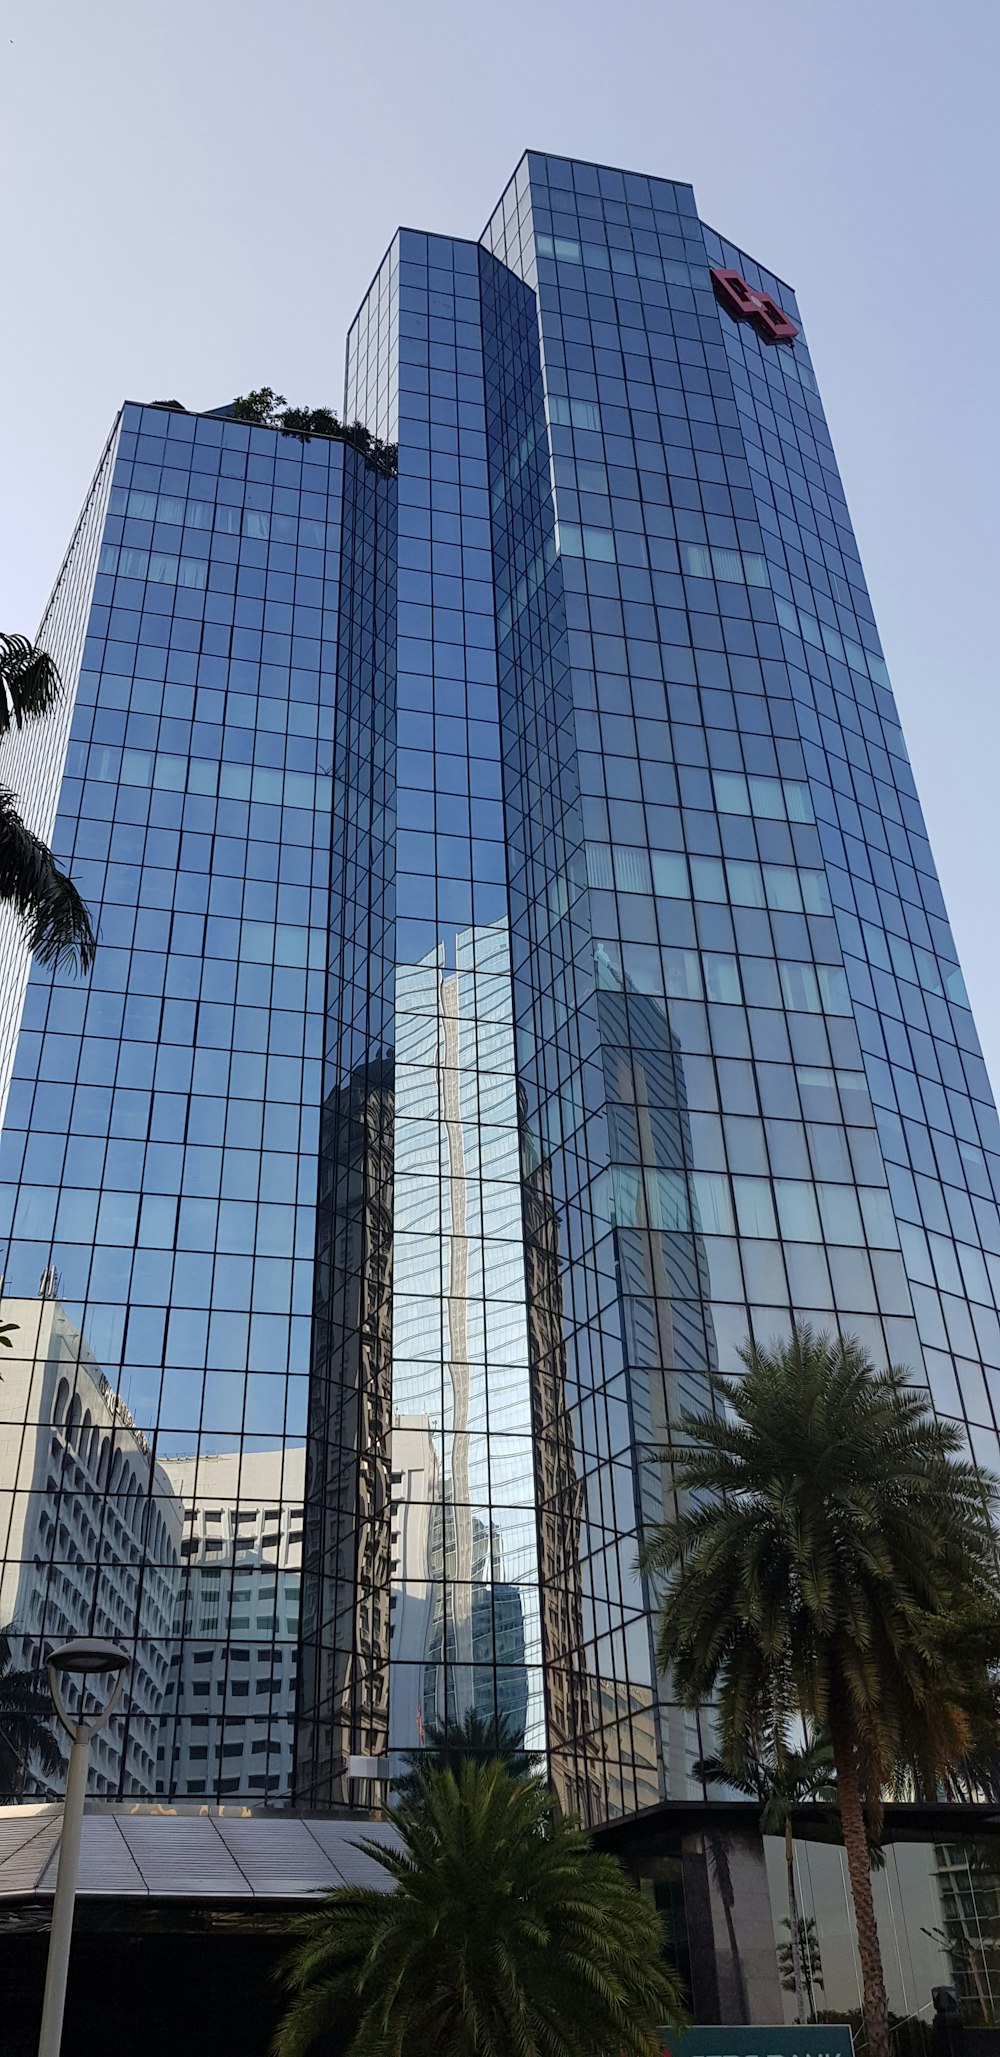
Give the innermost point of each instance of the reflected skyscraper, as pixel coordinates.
(522, 975)
(460, 1347)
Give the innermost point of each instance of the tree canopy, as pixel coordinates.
(264, 408)
(832, 1560)
(506, 1935)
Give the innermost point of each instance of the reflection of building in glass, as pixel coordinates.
(90, 1525)
(666, 1288)
(936, 1913)
(495, 1686)
(344, 1663)
(415, 1494)
(572, 1717)
(493, 1680)
(666, 1295)
(230, 1699)
(464, 1610)
(345, 1600)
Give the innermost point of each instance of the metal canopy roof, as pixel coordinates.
(131, 1853)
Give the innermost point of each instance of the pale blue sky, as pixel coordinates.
(196, 193)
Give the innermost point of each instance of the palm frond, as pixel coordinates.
(30, 683)
(55, 921)
(505, 1933)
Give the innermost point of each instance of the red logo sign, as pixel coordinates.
(746, 304)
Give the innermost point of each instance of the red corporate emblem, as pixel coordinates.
(746, 304)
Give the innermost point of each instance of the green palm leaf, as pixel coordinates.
(55, 921)
(506, 1935)
(29, 682)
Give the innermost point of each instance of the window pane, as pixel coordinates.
(781, 884)
(799, 987)
(815, 892)
(707, 878)
(731, 795)
(841, 1214)
(670, 874)
(722, 979)
(682, 975)
(631, 870)
(746, 886)
(797, 1211)
(713, 1203)
(599, 871)
(754, 1208)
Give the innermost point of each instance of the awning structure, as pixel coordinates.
(144, 1853)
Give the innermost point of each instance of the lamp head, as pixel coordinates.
(88, 1653)
(83, 1658)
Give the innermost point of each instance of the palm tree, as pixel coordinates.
(506, 1933)
(791, 1778)
(54, 919)
(25, 1725)
(450, 1744)
(832, 1561)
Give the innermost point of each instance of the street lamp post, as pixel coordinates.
(82, 1659)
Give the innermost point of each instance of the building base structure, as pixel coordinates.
(196, 1906)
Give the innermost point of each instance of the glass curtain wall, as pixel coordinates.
(34, 757)
(368, 1221)
(937, 1128)
(160, 1148)
(786, 1043)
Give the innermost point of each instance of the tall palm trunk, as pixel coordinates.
(852, 1822)
(798, 1941)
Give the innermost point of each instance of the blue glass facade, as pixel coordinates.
(161, 1136)
(522, 975)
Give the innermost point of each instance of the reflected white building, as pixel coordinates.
(90, 1526)
(230, 1700)
(465, 1630)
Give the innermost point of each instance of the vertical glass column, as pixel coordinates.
(465, 1635)
(599, 1710)
(914, 1057)
(618, 1135)
(344, 1681)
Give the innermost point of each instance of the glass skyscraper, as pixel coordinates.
(522, 975)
